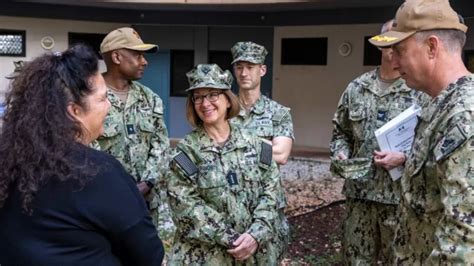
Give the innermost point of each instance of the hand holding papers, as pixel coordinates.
(398, 134)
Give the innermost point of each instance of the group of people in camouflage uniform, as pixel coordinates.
(426, 216)
(372, 197)
(217, 198)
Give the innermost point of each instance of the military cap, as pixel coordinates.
(249, 52)
(19, 65)
(419, 15)
(126, 38)
(355, 168)
(209, 76)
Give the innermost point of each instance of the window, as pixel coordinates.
(13, 43)
(182, 61)
(92, 39)
(223, 59)
(304, 51)
(372, 54)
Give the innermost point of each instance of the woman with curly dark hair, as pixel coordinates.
(61, 202)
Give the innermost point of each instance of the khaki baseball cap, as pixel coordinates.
(126, 38)
(419, 15)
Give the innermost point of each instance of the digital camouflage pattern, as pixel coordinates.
(364, 107)
(268, 119)
(211, 209)
(135, 134)
(437, 207)
(379, 220)
(209, 76)
(248, 52)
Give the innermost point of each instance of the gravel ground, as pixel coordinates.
(315, 210)
(309, 185)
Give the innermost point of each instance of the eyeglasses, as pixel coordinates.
(211, 97)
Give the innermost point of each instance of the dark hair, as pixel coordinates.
(193, 117)
(38, 135)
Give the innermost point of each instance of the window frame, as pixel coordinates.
(22, 34)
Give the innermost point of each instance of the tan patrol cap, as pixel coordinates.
(126, 38)
(419, 15)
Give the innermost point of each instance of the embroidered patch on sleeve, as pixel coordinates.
(186, 164)
(449, 143)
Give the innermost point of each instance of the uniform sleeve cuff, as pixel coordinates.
(258, 232)
(229, 237)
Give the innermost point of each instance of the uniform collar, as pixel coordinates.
(234, 142)
(134, 95)
(444, 96)
(258, 108)
(397, 85)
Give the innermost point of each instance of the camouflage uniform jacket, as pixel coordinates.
(211, 206)
(363, 108)
(269, 119)
(437, 207)
(266, 119)
(135, 133)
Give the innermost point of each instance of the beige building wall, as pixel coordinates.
(36, 29)
(312, 92)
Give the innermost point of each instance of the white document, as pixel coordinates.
(397, 135)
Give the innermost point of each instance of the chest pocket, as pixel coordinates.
(146, 125)
(265, 131)
(358, 118)
(398, 105)
(111, 129)
(263, 127)
(212, 187)
(110, 135)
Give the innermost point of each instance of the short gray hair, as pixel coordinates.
(454, 40)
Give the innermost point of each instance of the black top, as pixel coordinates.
(104, 223)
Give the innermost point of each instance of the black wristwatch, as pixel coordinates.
(149, 184)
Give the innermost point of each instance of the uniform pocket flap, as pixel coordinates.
(111, 130)
(355, 168)
(357, 114)
(146, 125)
(211, 180)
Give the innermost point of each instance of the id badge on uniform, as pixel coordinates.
(232, 178)
(382, 115)
(130, 129)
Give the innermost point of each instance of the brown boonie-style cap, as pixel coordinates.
(419, 15)
(209, 76)
(125, 38)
